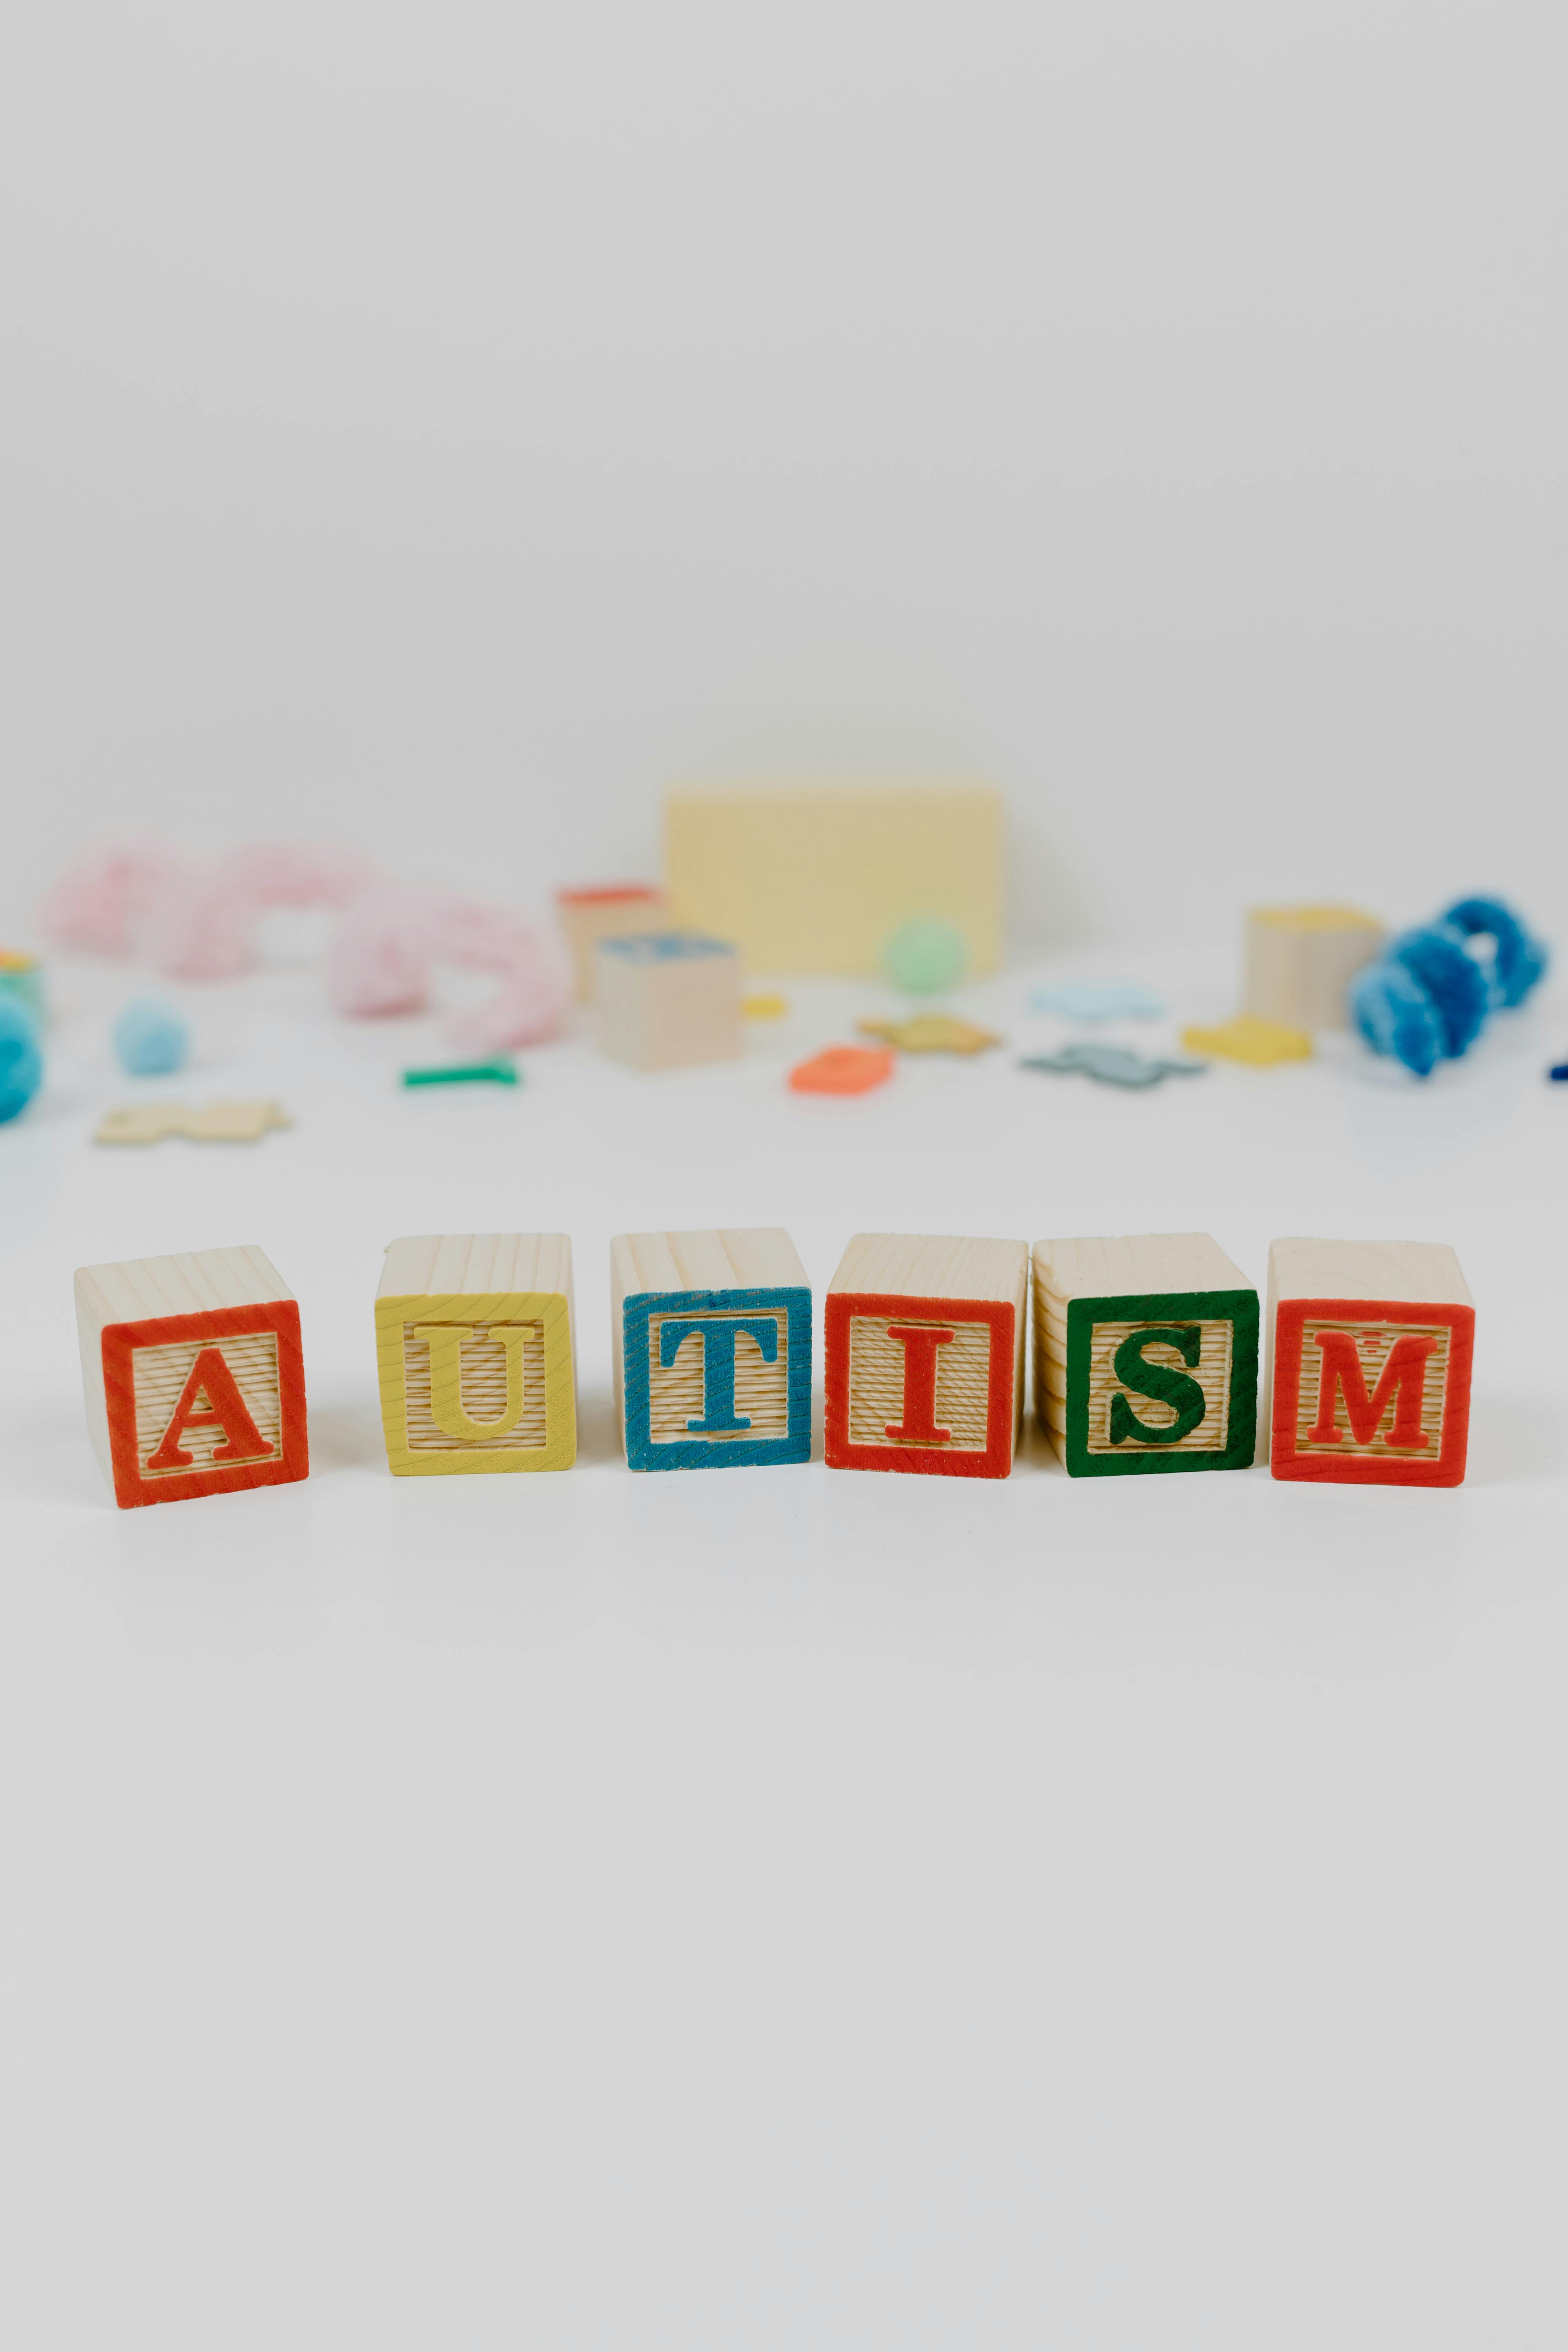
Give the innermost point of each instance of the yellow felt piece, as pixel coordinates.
(765, 1008)
(448, 1406)
(1249, 1039)
(931, 1033)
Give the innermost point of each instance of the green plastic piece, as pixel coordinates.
(925, 957)
(454, 1074)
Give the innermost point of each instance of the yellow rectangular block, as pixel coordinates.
(474, 1346)
(817, 878)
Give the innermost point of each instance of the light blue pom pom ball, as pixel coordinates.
(21, 1063)
(150, 1039)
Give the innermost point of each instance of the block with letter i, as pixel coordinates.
(1368, 1363)
(712, 1341)
(474, 1343)
(192, 1373)
(1145, 1355)
(923, 1336)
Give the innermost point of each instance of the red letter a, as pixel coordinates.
(211, 1377)
(1404, 1376)
(921, 1343)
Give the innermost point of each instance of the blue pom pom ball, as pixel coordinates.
(21, 1063)
(1516, 961)
(1396, 1016)
(150, 1039)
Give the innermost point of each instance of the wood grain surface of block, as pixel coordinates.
(1369, 1347)
(474, 1336)
(1301, 962)
(667, 999)
(1145, 1354)
(193, 1374)
(711, 1337)
(923, 1338)
(817, 877)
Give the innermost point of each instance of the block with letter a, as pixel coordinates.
(711, 1337)
(1368, 1363)
(193, 1374)
(1145, 1355)
(474, 1343)
(924, 1337)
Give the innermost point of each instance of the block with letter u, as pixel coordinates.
(193, 1374)
(712, 1341)
(1370, 1349)
(924, 1342)
(474, 1342)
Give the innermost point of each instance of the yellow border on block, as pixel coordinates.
(546, 1308)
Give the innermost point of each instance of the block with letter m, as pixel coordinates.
(1370, 1347)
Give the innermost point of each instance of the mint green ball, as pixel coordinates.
(925, 957)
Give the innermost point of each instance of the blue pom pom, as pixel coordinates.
(1396, 1016)
(21, 1064)
(1516, 960)
(1437, 957)
(150, 1039)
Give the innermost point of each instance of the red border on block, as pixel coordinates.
(1446, 1469)
(293, 1457)
(938, 1461)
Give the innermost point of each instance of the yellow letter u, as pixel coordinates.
(445, 1342)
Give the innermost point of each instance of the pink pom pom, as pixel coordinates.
(380, 962)
(101, 904)
(292, 874)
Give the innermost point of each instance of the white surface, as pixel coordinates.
(780, 1908)
(443, 426)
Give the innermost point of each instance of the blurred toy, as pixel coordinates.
(843, 1070)
(215, 1122)
(382, 960)
(667, 999)
(21, 1063)
(1430, 996)
(1248, 1039)
(1113, 1066)
(150, 1039)
(931, 1032)
(207, 929)
(763, 1007)
(609, 911)
(1558, 1070)
(100, 903)
(1098, 1000)
(926, 957)
(503, 1073)
(1301, 962)
(22, 976)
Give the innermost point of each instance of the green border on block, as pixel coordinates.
(1239, 1308)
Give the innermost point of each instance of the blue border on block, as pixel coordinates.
(716, 1452)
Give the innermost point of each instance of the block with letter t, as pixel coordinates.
(474, 1341)
(1368, 1363)
(1145, 1355)
(711, 1342)
(193, 1374)
(924, 1337)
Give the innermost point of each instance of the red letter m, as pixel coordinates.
(1404, 1376)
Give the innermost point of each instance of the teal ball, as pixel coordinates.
(21, 1063)
(150, 1039)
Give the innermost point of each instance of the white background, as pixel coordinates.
(788, 1908)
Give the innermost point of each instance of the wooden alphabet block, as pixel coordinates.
(193, 1374)
(474, 1340)
(819, 878)
(711, 1339)
(1145, 1355)
(1301, 962)
(667, 999)
(924, 1342)
(586, 916)
(1368, 1363)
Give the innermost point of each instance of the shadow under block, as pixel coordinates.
(1301, 962)
(711, 1334)
(1368, 1363)
(817, 878)
(474, 1345)
(192, 1373)
(666, 1000)
(923, 1338)
(586, 916)
(1145, 1355)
